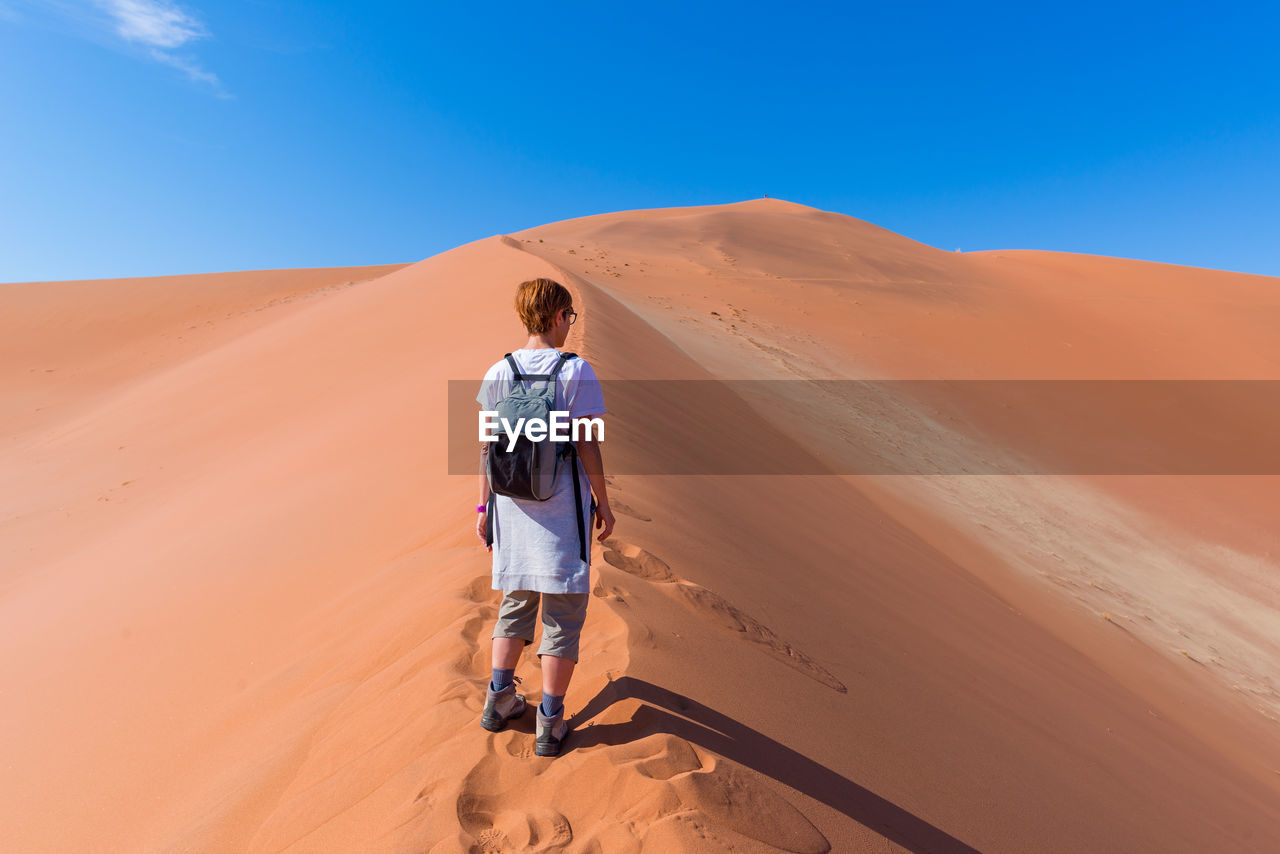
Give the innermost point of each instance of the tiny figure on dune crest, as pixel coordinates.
(533, 514)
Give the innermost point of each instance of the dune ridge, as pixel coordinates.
(272, 636)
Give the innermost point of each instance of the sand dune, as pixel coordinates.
(245, 609)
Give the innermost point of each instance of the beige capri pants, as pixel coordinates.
(562, 618)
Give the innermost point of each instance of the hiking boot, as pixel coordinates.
(551, 733)
(501, 706)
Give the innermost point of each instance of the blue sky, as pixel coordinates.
(142, 137)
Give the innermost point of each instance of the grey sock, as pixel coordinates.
(551, 704)
(502, 678)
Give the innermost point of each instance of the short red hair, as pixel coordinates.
(538, 301)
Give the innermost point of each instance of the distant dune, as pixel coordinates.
(244, 608)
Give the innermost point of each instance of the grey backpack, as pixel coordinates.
(530, 470)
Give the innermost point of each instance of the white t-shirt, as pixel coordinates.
(577, 389)
(535, 543)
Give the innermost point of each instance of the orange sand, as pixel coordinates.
(244, 608)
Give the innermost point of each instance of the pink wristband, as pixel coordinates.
(480, 508)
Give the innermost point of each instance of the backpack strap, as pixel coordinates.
(515, 369)
(564, 357)
(577, 504)
(488, 519)
(519, 376)
(573, 460)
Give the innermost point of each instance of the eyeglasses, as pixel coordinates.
(573, 316)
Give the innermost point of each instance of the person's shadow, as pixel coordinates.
(721, 734)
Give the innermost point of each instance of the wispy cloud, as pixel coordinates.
(154, 22)
(161, 29)
(161, 26)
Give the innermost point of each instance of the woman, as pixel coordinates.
(537, 556)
